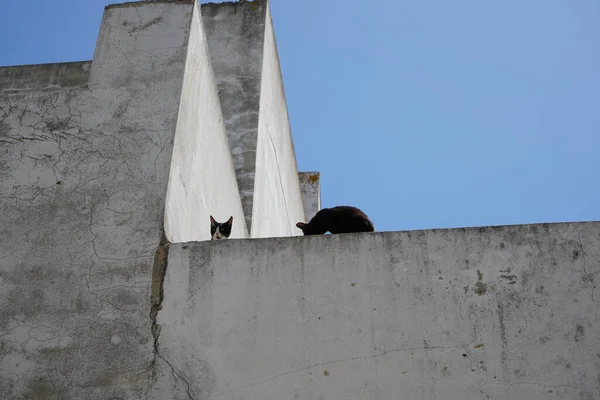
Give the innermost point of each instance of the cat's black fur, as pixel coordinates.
(340, 219)
(220, 230)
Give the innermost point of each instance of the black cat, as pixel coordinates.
(218, 230)
(340, 219)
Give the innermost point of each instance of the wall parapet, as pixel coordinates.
(487, 312)
(42, 77)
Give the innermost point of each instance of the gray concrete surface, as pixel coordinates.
(277, 204)
(242, 46)
(235, 33)
(24, 78)
(481, 313)
(202, 178)
(100, 163)
(310, 186)
(96, 158)
(83, 177)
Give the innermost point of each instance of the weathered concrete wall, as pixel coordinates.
(310, 186)
(83, 177)
(44, 76)
(277, 205)
(202, 179)
(499, 313)
(100, 163)
(235, 33)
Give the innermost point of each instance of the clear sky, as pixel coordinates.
(425, 114)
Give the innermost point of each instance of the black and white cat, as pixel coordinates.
(218, 230)
(340, 219)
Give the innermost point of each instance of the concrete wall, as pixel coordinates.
(44, 77)
(101, 163)
(482, 313)
(244, 56)
(310, 186)
(235, 33)
(202, 180)
(96, 156)
(84, 164)
(277, 205)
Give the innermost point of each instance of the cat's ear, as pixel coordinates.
(301, 225)
(212, 221)
(230, 221)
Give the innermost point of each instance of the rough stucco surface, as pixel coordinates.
(499, 313)
(310, 185)
(202, 179)
(83, 177)
(235, 33)
(277, 205)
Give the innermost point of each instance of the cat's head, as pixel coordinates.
(304, 227)
(220, 230)
(311, 229)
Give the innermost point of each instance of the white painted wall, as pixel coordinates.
(481, 313)
(277, 205)
(202, 179)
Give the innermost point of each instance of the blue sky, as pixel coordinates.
(425, 114)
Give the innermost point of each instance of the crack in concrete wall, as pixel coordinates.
(159, 269)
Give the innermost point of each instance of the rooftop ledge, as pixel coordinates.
(39, 77)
